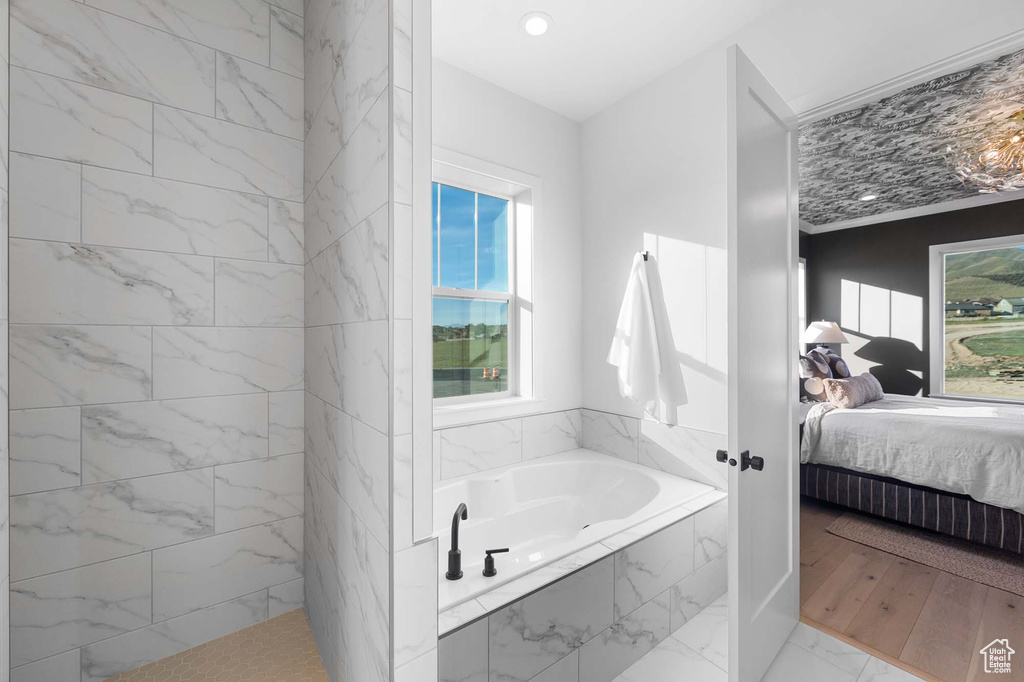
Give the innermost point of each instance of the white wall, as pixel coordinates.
(654, 177)
(476, 118)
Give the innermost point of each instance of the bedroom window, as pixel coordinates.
(978, 319)
(474, 294)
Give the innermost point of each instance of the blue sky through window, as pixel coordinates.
(470, 251)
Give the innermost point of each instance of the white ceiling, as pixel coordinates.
(813, 51)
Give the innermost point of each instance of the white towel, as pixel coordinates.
(642, 349)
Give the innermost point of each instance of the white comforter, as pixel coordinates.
(951, 445)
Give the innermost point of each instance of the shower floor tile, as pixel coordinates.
(276, 650)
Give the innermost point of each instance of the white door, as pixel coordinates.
(763, 505)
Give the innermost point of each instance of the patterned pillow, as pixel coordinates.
(835, 363)
(814, 369)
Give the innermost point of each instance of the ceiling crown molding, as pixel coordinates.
(1009, 43)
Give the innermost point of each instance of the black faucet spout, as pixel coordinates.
(455, 554)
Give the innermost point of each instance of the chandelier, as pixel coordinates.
(993, 161)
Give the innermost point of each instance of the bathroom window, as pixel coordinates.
(473, 295)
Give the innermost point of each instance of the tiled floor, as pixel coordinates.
(277, 650)
(700, 651)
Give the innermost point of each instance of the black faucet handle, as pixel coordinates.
(489, 570)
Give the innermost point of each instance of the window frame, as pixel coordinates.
(464, 182)
(937, 310)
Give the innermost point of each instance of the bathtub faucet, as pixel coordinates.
(455, 554)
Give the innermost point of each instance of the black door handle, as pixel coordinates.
(748, 462)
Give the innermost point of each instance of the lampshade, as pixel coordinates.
(823, 332)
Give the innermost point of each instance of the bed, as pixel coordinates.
(951, 466)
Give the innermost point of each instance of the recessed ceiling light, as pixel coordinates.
(869, 197)
(536, 23)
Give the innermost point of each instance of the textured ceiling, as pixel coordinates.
(896, 147)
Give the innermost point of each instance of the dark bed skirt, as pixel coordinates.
(947, 513)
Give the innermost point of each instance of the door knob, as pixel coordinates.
(748, 462)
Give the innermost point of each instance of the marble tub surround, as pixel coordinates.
(488, 445)
(679, 450)
(607, 611)
(156, 351)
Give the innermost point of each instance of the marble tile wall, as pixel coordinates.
(593, 624)
(5, 463)
(488, 445)
(678, 450)
(157, 327)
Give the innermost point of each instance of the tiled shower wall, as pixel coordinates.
(5, 571)
(156, 333)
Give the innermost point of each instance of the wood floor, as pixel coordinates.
(926, 621)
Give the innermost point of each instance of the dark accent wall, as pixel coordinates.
(894, 255)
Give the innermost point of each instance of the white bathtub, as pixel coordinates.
(544, 510)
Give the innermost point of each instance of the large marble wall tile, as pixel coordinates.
(64, 529)
(65, 667)
(462, 655)
(252, 294)
(286, 232)
(128, 440)
(322, 600)
(415, 618)
(648, 568)
(194, 575)
(124, 652)
(67, 39)
(294, 6)
(259, 97)
(286, 52)
(423, 669)
(46, 449)
(136, 211)
(65, 120)
(402, 257)
(58, 283)
(528, 636)
(321, 517)
(46, 198)
(353, 458)
(57, 365)
(697, 591)
(221, 361)
(363, 581)
(549, 434)
(260, 491)
(566, 670)
(401, 145)
(220, 154)
(286, 597)
(347, 366)
(402, 345)
(355, 185)
(401, 45)
(402, 492)
(238, 27)
(468, 449)
(682, 451)
(286, 422)
(611, 434)
(359, 82)
(330, 29)
(625, 642)
(710, 533)
(348, 280)
(66, 610)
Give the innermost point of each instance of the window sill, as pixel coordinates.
(977, 399)
(472, 413)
